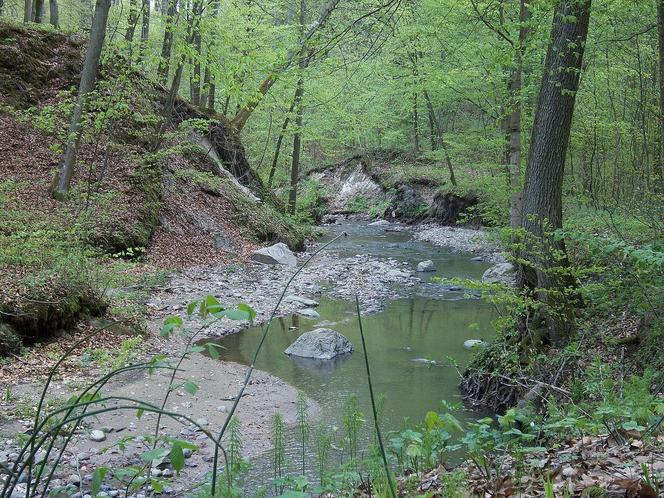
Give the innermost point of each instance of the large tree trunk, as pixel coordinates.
(543, 270)
(54, 14)
(62, 179)
(659, 166)
(167, 45)
(39, 11)
(27, 11)
(514, 121)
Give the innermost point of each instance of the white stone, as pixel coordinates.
(277, 254)
(473, 343)
(426, 266)
(97, 436)
(308, 313)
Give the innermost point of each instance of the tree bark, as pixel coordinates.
(659, 166)
(27, 11)
(54, 14)
(297, 135)
(145, 25)
(280, 139)
(195, 81)
(514, 121)
(62, 179)
(132, 21)
(544, 261)
(167, 45)
(438, 139)
(39, 11)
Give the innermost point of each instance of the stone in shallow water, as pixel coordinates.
(426, 266)
(473, 343)
(320, 344)
(304, 301)
(308, 313)
(277, 254)
(379, 223)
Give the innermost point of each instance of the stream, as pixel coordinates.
(412, 343)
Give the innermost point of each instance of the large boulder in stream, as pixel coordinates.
(277, 254)
(320, 344)
(502, 273)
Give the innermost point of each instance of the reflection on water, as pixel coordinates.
(406, 331)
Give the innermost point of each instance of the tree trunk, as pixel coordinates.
(659, 166)
(62, 179)
(280, 139)
(27, 11)
(195, 82)
(39, 11)
(543, 270)
(132, 21)
(514, 121)
(54, 14)
(145, 25)
(433, 123)
(297, 147)
(167, 45)
(297, 135)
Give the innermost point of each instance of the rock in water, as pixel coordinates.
(304, 301)
(426, 266)
(308, 313)
(320, 344)
(379, 223)
(277, 254)
(473, 343)
(502, 273)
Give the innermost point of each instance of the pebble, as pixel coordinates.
(221, 408)
(187, 452)
(202, 421)
(97, 436)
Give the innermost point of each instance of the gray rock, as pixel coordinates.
(308, 313)
(167, 473)
(97, 436)
(477, 259)
(425, 361)
(502, 273)
(277, 254)
(309, 303)
(202, 421)
(379, 223)
(187, 452)
(426, 266)
(221, 408)
(473, 343)
(320, 344)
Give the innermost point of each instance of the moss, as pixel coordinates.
(10, 341)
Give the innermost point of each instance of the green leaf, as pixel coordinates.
(153, 454)
(190, 387)
(213, 350)
(249, 310)
(177, 457)
(191, 308)
(97, 478)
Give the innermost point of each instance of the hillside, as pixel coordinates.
(177, 209)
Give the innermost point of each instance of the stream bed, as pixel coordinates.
(413, 343)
